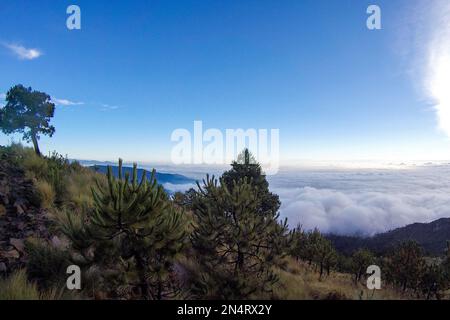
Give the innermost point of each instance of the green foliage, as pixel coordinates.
(45, 193)
(247, 167)
(59, 183)
(313, 247)
(133, 235)
(236, 246)
(185, 199)
(434, 281)
(27, 112)
(325, 255)
(405, 265)
(361, 259)
(298, 243)
(17, 287)
(46, 264)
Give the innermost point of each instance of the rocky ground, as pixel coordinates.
(20, 216)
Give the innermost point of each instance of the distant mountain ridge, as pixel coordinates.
(161, 178)
(431, 236)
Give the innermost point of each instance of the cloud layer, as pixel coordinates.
(364, 201)
(23, 53)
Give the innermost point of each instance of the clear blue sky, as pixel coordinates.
(140, 69)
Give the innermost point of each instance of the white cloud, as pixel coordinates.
(178, 187)
(107, 107)
(23, 53)
(438, 66)
(363, 201)
(426, 42)
(65, 102)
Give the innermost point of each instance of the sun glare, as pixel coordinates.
(438, 79)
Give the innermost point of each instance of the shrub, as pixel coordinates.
(45, 192)
(35, 166)
(132, 236)
(46, 263)
(17, 287)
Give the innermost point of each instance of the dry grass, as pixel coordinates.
(45, 192)
(299, 281)
(56, 180)
(79, 183)
(17, 287)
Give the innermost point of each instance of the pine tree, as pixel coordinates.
(246, 167)
(313, 238)
(325, 255)
(133, 235)
(360, 260)
(236, 246)
(433, 281)
(298, 243)
(405, 265)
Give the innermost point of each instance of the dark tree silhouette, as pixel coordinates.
(27, 112)
(246, 167)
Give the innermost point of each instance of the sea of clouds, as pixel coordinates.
(352, 199)
(363, 201)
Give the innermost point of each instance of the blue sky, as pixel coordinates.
(137, 70)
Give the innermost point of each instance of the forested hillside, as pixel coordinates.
(222, 240)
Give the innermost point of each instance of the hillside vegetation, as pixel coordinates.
(132, 240)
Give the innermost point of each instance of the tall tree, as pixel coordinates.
(405, 265)
(27, 112)
(246, 167)
(236, 246)
(361, 259)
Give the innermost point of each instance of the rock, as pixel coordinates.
(3, 267)
(18, 244)
(56, 242)
(12, 254)
(19, 209)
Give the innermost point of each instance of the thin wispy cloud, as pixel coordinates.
(107, 107)
(65, 102)
(22, 52)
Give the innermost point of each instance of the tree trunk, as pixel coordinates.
(35, 144)
(140, 266)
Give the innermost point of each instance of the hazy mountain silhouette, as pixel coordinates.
(431, 236)
(162, 178)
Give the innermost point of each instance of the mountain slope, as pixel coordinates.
(162, 178)
(431, 236)
(20, 215)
